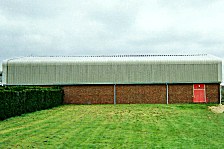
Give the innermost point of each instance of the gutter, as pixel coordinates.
(167, 94)
(220, 94)
(115, 98)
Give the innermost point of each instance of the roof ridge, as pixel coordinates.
(130, 55)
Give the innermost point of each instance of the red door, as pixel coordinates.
(199, 93)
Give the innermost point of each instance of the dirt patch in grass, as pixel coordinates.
(217, 109)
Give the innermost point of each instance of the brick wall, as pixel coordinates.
(180, 93)
(89, 94)
(212, 93)
(141, 93)
(127, 94)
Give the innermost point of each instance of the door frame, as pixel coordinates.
(205, 98)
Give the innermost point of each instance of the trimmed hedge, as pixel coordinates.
(15, 101)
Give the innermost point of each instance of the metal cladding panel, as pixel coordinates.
(49, 71)
(4, 72)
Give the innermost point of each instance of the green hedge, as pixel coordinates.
(15, 101)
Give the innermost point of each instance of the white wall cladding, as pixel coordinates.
(113, 69)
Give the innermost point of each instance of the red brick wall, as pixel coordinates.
(141, 93)
(180, 93)
(89, 94)
(212, 92)
(104, 94)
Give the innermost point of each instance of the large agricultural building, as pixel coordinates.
(122, 78)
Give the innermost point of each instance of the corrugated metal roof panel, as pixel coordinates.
(118, 58)
(118, 69)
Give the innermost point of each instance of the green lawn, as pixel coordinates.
(120, 126)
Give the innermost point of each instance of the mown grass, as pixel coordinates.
(120, 126)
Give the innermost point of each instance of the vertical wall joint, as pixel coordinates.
(115, 94)
(167, 94)
(220, 94)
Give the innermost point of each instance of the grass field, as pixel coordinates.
(120, 126)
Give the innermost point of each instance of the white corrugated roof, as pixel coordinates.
(110, 69)
(114, 58)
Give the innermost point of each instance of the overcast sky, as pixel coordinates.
(97, 27)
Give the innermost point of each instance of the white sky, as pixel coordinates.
(96, 27)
